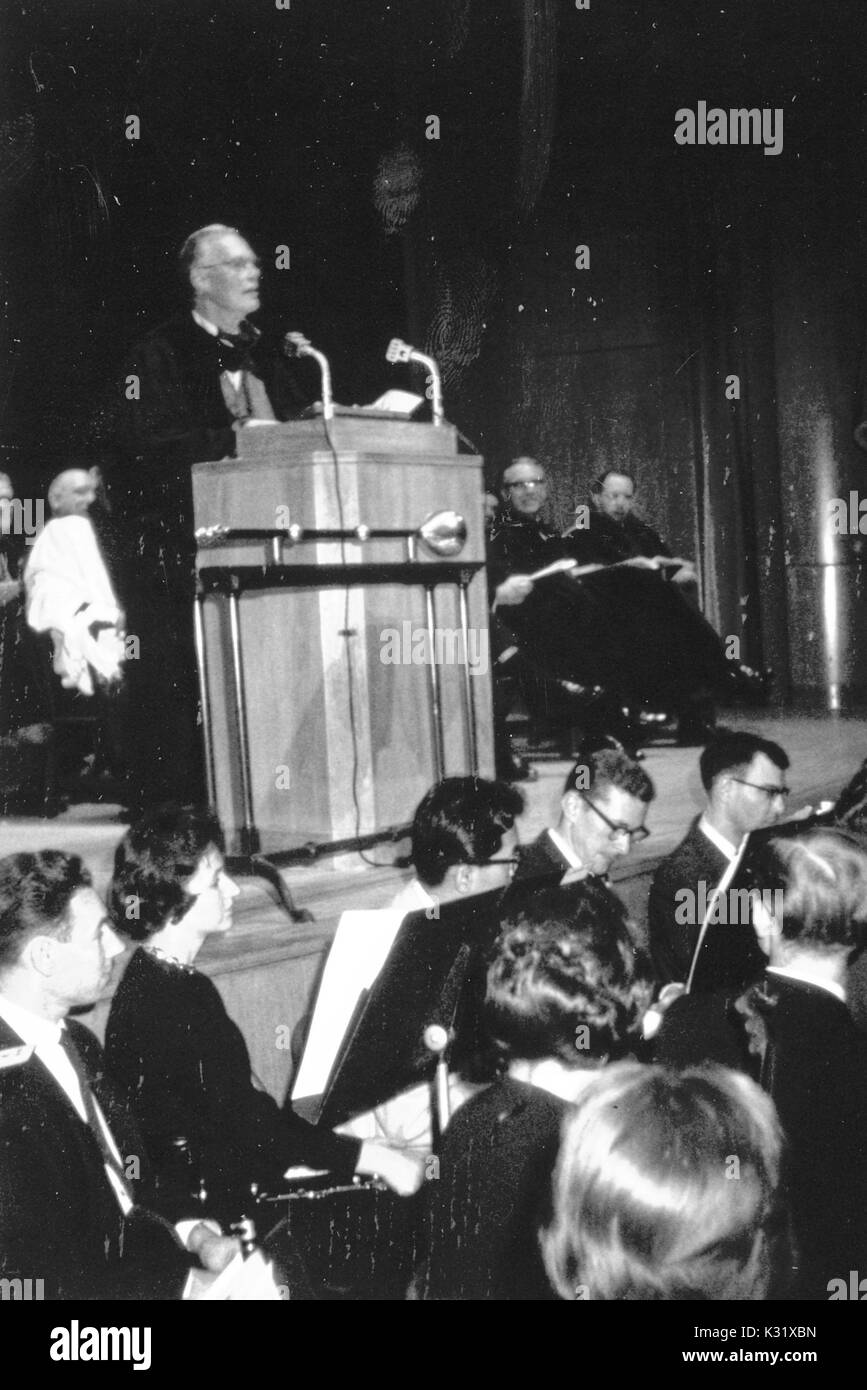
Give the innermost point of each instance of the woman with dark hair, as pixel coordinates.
(667, 1187)
(562, 999)
(170, 1040)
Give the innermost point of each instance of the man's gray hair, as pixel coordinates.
(190, 249)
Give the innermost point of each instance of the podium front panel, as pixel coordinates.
(319, 663)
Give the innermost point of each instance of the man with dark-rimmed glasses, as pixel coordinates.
(602, 813)
(744, 777)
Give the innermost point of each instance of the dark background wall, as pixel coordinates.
(306, 127)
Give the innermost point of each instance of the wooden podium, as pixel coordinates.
(339, 677)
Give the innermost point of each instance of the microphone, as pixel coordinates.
(436, 1038)
(399, 351)
(296, 345)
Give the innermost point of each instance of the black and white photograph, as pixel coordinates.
(433, 662)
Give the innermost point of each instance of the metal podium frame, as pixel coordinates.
(229, 582)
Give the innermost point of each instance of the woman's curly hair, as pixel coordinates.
(563, 983)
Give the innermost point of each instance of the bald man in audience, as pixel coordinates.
(69, 592)
(73, 492)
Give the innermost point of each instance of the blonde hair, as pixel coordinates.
(824, 879)
(666, 1188)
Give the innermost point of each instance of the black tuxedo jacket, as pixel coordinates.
(60, 1220)
(673, 942)
(730, 955)
(815, 1069)
(542, 867)
(542, 859)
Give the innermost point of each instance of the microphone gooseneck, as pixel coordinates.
(297, 345)
(399, 351)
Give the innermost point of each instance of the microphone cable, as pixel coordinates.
(348, 634)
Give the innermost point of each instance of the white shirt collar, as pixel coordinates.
(555, 1077)
(565, 849)
(723, 845)
(412, 897)
(31, 1028)
(803, 973)
(43, 1036)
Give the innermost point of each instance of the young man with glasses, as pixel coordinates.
(602, 813)
(744, 778)
(188, 391)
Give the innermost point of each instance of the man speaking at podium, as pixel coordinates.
(191, 386)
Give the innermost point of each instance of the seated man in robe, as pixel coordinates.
(609, 531)
(550, 636)
(613, 621)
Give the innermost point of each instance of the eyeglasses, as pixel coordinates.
(237, 264)
(488, 863)
(527, 485)
(783, 792)
(636, 835)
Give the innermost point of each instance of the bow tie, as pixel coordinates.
(234, 348)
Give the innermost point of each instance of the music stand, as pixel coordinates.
(433, 975)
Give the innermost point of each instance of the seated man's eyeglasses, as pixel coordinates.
(782, 792)
(635, 835)
(526, 484)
